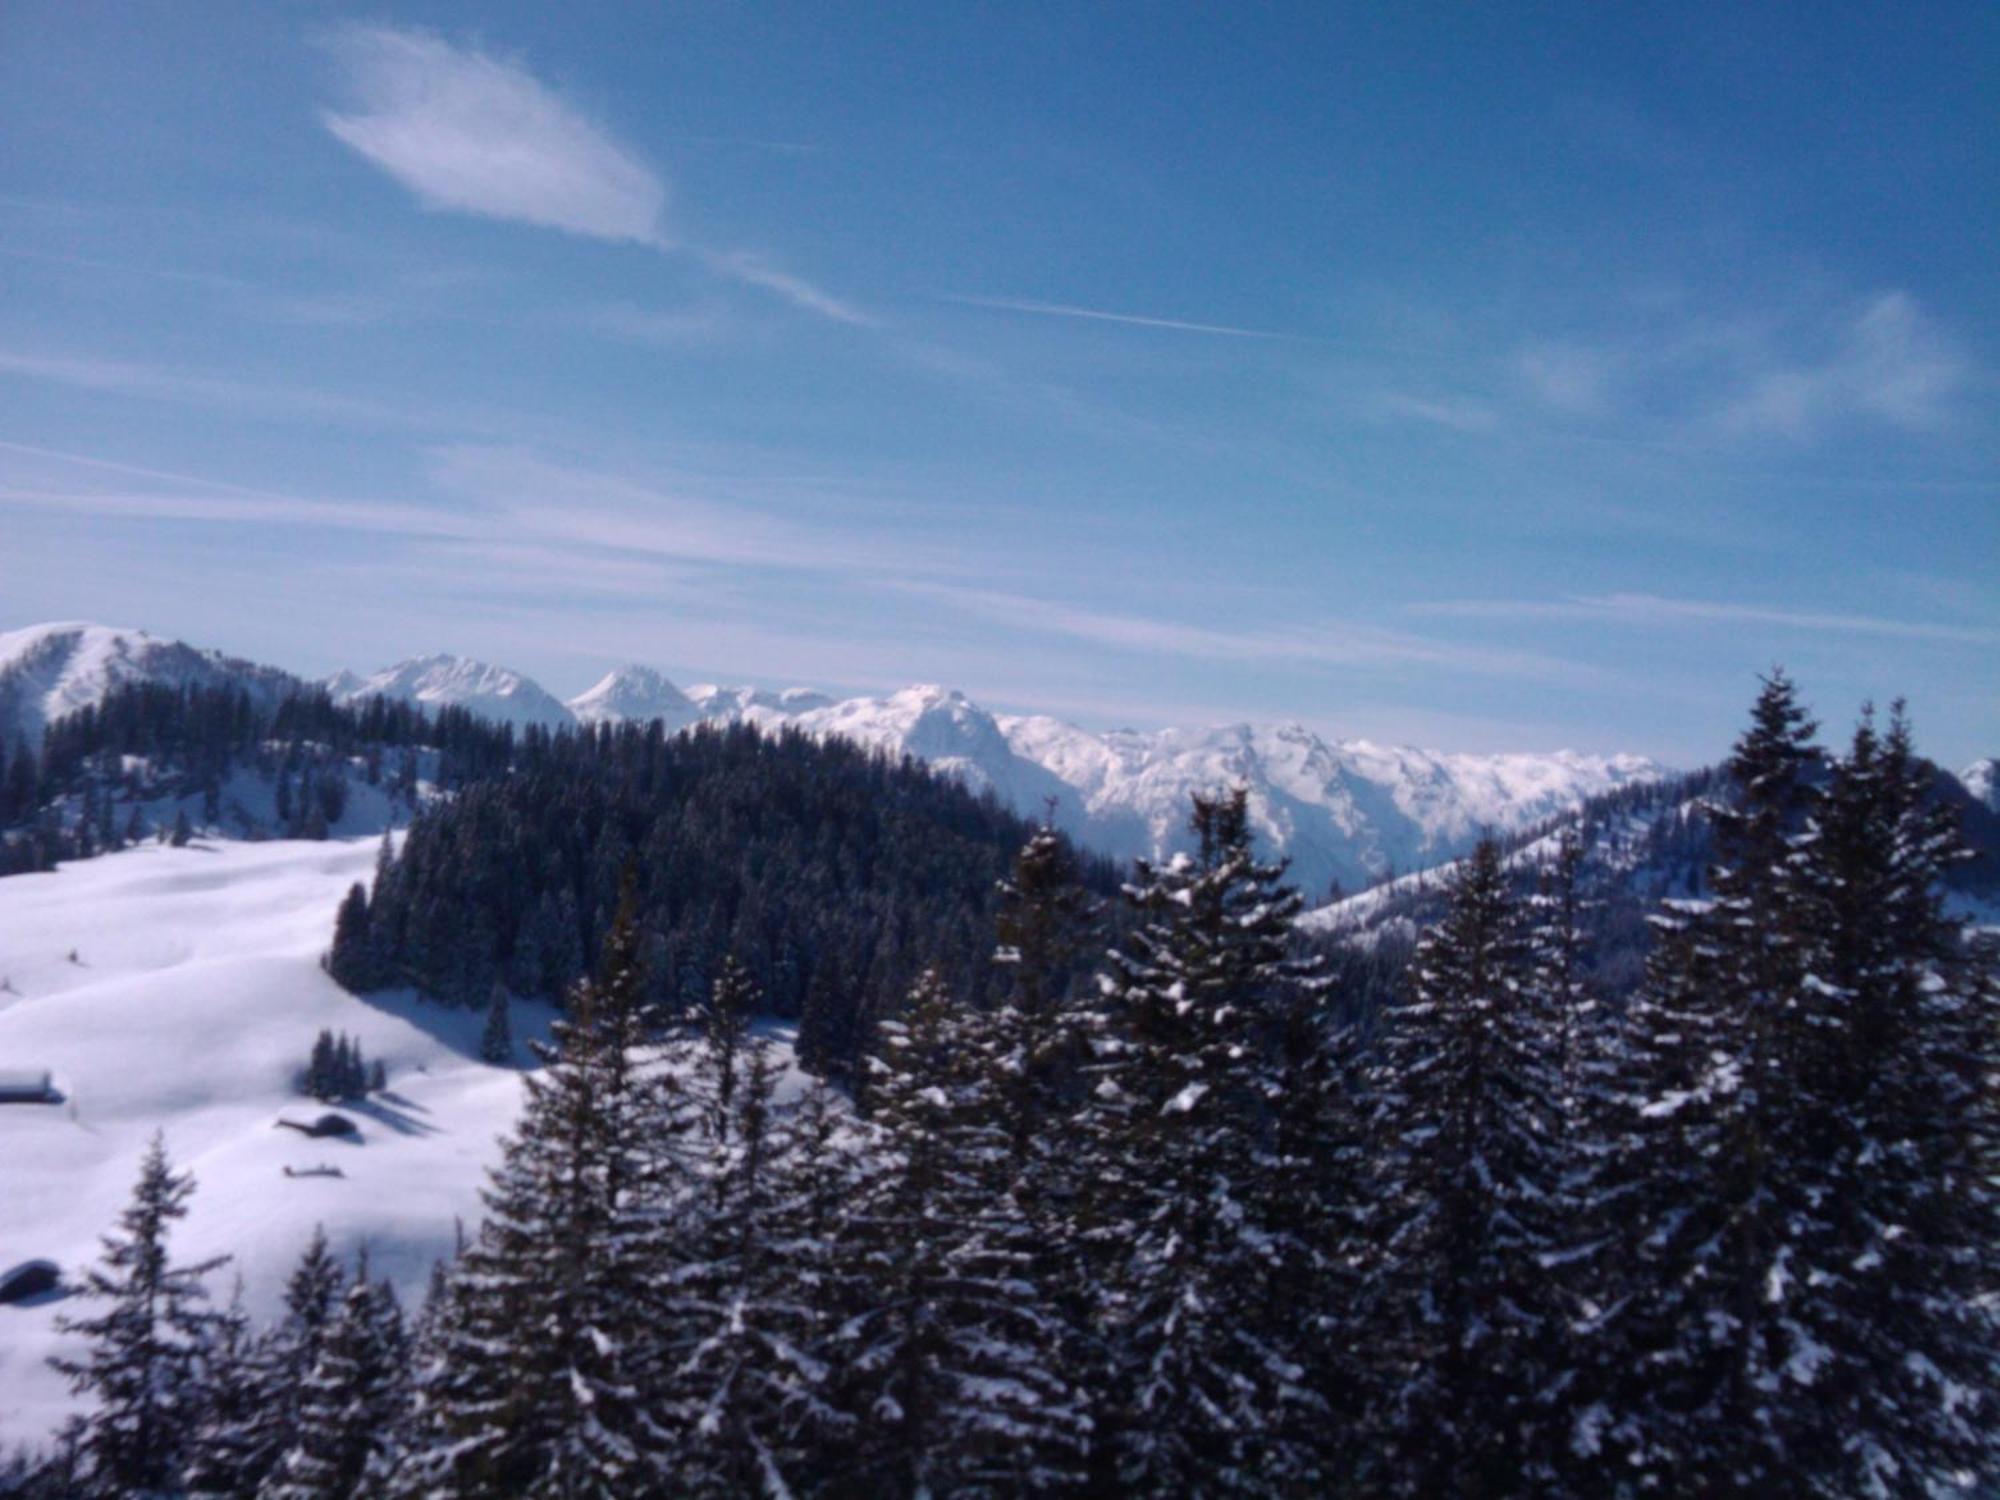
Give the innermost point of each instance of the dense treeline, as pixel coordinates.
(1178, 1231)
(831, 873)
(83, 791)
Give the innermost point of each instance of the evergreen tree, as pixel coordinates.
(231, 1440)
(496, 1041)
(351, 959)
(1204, 1394)
(722, 1023)
(1464, 1324)
(348, 1402)
(1040, 1032)
(755, 1381)
(142, 1366)
(952, 1362)
(1894, 1345)
(1720, 1180)
(549, 1346)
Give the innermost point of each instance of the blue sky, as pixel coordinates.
(1428, 373)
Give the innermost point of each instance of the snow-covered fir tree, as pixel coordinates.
(545, 1382)
(1203, 1392)
(755, 1382)
(1895, 1331)
(1721, 1178)
(142, 1363)
(1039, 1032)
(950, 1361)
(722, 1025)
(232, 1439)
(1462, 1320)
(349, 1402)
(496, 1038)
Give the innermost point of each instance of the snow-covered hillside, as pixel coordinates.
(47, 671)
(440, 681)
(194, 994)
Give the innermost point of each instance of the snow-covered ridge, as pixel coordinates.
(47, 671)
(441, 680)
(1346, 811)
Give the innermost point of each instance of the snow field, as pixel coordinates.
(192, 1002)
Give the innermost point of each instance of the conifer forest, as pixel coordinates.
(886, 1146)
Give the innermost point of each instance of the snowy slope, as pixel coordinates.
(47, 671)
(193, 999)
(635, 694)
(755, 704)
(1982, 779)
(196, 993)
(443, 680)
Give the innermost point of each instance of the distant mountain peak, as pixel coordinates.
(443, 680)
(1982, 779)
(634, 694)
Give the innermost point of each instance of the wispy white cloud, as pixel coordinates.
(1458, 413)
(1890, 363)
(668, 328)
(1569, 378)
(33, 477)
(469, 132)
(755, 270)
(1098, 315)
(1329, 644)
(569, 505)
(1654, 610)
(263, 399)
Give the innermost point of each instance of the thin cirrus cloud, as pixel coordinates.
(1135, 320)
(1890, 363)
(1654, 610)
(1333, 644)
(467, 132)
(260, 399)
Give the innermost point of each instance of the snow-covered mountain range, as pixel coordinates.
(1346, 811)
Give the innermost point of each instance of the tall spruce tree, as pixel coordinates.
(349, 1401)
(547, 1364)
(1462, 1321)
(1720, 1178)
(722, 1022)
(143, 1362)
(1897, 1331)
(1040, 1029)
(230, 1448)
(755, 1380)
(950, 1361)
(1204, 1393)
